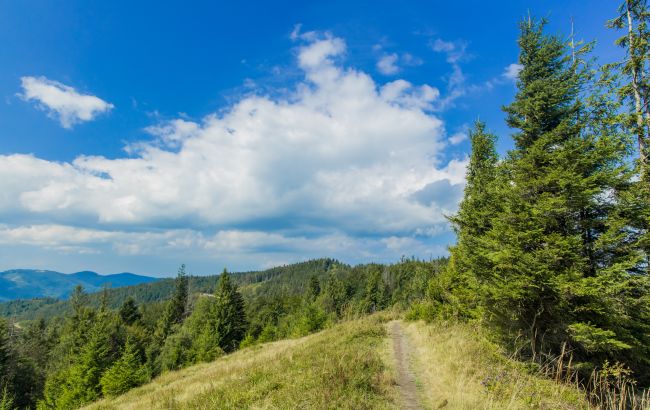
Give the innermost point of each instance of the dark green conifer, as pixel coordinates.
(129, 311)
(230, 313)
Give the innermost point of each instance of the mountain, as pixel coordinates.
(288, 279)
(32, 283)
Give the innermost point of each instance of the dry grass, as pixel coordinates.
(457, 368)
(338, 368)
(351, 366)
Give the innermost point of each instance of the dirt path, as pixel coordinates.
(405, 378)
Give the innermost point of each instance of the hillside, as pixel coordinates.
(33, 283)
(282, 279)
(367, 363)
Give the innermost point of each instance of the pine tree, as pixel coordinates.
(314, 287)
(230, 313)
(176, 309)
(82, 381)
(456, 288)
(376, 292)
(202, 325)
(129, 311)
(125, 374)
(542, 246)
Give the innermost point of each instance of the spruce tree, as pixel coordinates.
(129, 311)
(203, 328)
(125, 374)
(82, 381)
(376, 292)
(543, 245)
(314, 287)
(176, 308)
(457, 288)
(230, 314)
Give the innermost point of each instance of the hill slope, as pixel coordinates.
(340, 368)
(33, 283)
(358, 365)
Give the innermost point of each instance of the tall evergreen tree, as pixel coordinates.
(176, 309)
(543, 244)
(376, 291)
(457, 287)
(124, 374)
(129, 311)
(230, 313)
(314, 287)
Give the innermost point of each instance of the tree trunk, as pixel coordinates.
(637, 94)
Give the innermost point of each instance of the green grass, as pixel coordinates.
(339, 368)
(351, 366)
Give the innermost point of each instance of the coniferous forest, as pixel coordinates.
(552, 255)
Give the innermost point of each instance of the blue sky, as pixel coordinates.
(136, 137)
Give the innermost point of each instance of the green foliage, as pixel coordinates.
(203, 328)
(6, 399)
(551, 239)
(311, 319)
(124, 374)
(314, 287)
(82, 379)
(594, 339)
(129, 311)
(177, 350)
(230, 314)
(376, 293)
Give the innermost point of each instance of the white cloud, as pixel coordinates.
(410, 60)
(332, 169)
(457, 138)
(62, 102)
(512, 71)
(387, 64)
(455, 52)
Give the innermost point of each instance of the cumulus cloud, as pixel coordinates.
(62, 102)
(512, 71)
(334, 168)
(387, 64)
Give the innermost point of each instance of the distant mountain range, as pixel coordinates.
(31, 283)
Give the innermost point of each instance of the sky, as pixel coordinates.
(137, 136)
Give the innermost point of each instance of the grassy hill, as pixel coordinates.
(356, 365)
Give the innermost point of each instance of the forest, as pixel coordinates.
(552, 255)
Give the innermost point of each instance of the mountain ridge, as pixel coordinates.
(42, 283)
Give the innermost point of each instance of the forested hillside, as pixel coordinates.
(291, 278)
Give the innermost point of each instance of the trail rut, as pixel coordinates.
(405, 377)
